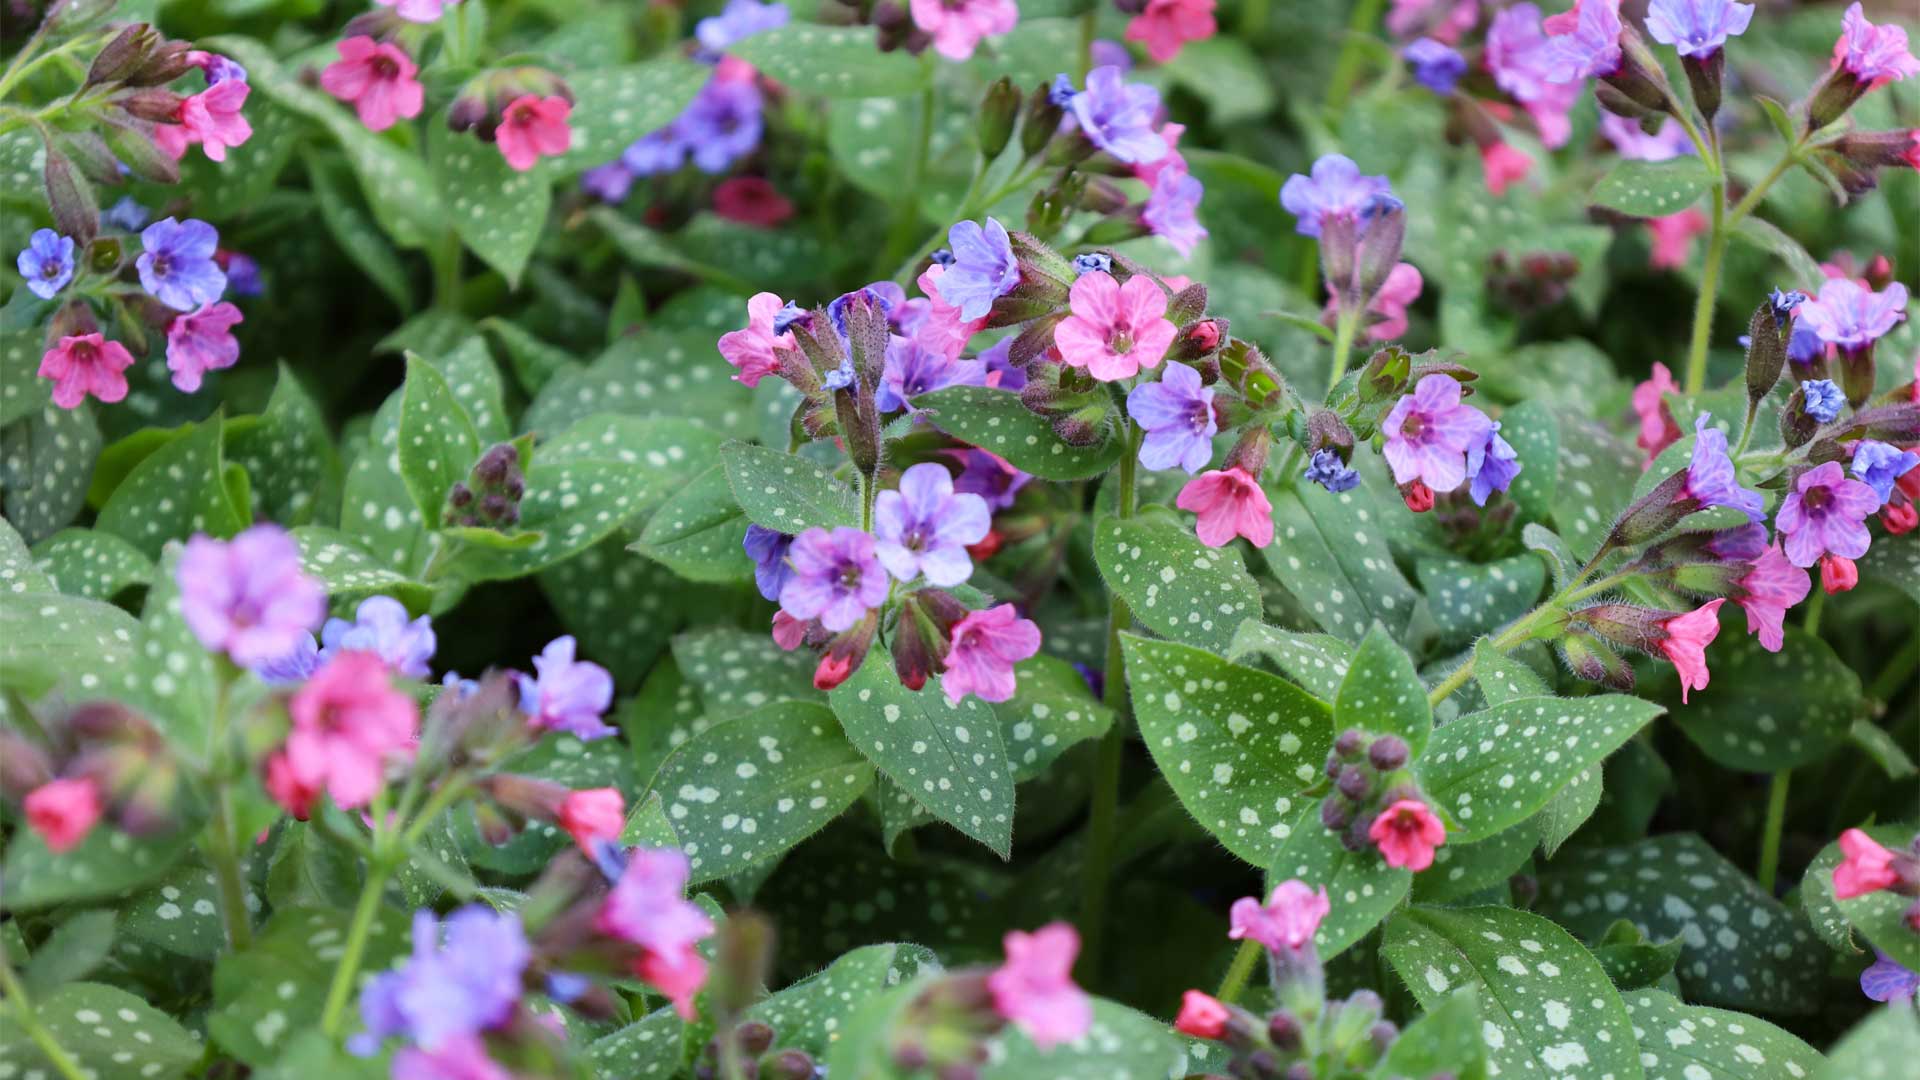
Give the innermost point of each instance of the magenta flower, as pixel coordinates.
(593, 815)
(1850, 315)
(1407, 833)
(63, 811)
(382, 626)
(1388, 308)
(1287, 921)
(201, 341)
(1711, 477)
(1177, 413)
(1336, 188)
(1825, 513)
(1684, 641)
(1865, 867)
(1169, 210)
(1118, 116)
(989, 476)
(647, 907)
(985, 647)
(1672, 238)
(83, 364)
(1697, 27)
(1520, 56)
(1590, 46)
(1766, 592)
(248, 597)
(1874, 55)
(925, 527)
(751, 351)
(1167, 25)
(1430, 432)
(566, 694)
(419, 11)
(1228, 503)
(1115, 330)
(1034, 989)
(212, 118)
(450, 988)
(957, 26)
(837, 578)
(377, 79)
(532, 127)
(348, 722)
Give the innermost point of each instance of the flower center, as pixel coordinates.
(1415, 427)
(1815, 500)
(1199, 416)
(1120, 340)
(385, 68)
(161, 264)
(50, 270)
(850, 577)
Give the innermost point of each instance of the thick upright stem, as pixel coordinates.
(340, 991)
(1346, 70)
(1239, 971)
(1709, 291)
(1770, 836)
(1344, 327)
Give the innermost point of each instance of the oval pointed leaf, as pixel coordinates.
(786, 493)
(1174, 584)
(437, 441)
(1767, 711)
(995, 420)
(1318, 662)
(174, 493)
(1330, 551)
(1692, 1042)
(1652, 189)
(1382, 694)
(93, 564)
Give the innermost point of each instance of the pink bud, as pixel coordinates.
(63, 811)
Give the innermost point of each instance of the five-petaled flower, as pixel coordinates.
(1114, 330)
(1035, 990)
(1407, 832)
(378, 79)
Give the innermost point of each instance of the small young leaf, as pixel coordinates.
(498, 211)
(1318, 662)
(1446, 1040)
(438, 443)
(1382, 693)
(808, 1014)
(1652, 189)
(288, 455)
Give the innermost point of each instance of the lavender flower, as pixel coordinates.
(841, 377)
(739, 20)
(1093, 262)
(1636, 145)
(1743, 543)
(1431, 433)
(243, 275)
(1169, 210)
(722, 125)
(177, 265)
(656, 152)
(47, 263)
(125, 215)
(1326, 469)
(1823, 399)
(788, 314)
(1335, 188)
(1805, 346)
(768, 550)
(1118, 116)
(443, 992)
(1177, 413)
(1852, 316)
(1711, 478)
(1878, 465)
(609, 183)
(566, 694)
(1060, 92)
(836, 578)
(381, 627)
(248, 597)
(1783, 301)
(983, 268)
(1886, 979)
(912, 369)
(1825, 513)
(1435, 66)
(1697, 27)
(293, 668)
(1105, 53)
(989, 476)
(1491, 466)
(1592, 49)
(999, 369)
(926, 526)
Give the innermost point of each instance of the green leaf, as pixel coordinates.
(1634, 961)
(1362, 887)
(22, 391)
(668, 454)
(1895, 561)
(1878, 916)
(20, 574)
(109, 1033)
(45, 461)
(180, 913)
(1742, 948)
(1768, 711)
(1494, 769)
(652, 374)
(808, 1014)
(1461, 870)
(650, 1046)
(176, 492)
(614, 105)
(1534, 432)
(623, 609)
(1549, 1009)
(1470, 599)
(647, 824)
(1767, 236)
(1120, 1042)
(739, 672)
(1651, 189)
(948, 904)
(1330, 551)
(438, 444)
(75, 948)
(353, 228)
(1597, 473)
(1050, 711)
(48, 640)
(264, 996)
(1317, 662)
(93, 564)
(350, 573)
(476, 384)
(995, 420)
(497, 210)
(1875, 1046)
(173, 679)
(874, 142)
(570, 505)
(786, 493)
(376, 508)
(1174, 584)
(1382, 694)
(1568, 810)
(1872, 740)
(947, 755)
(1223, 72)
(778, 773)
(1445, 1040)
(1237, 745)
(831, 61)
(108, 863)
(1690, 1042)
(1502, 678)
(288, 455)
(699, 531)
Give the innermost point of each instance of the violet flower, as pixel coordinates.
(1591, 48)
(381, 625)
(912, 369)
(925, 527)
(989, 476)
(1491, 466)
(1711, 477)
(837, 578)
(1177, 413)
(1335, 188)
(1430, 433)
(722, 125)
(1169, 209)
(176, 264)
(738, 21)
(1697, 28)
(248, 597)
(1435, 66)
(983, 268)
(461, 987)
(1878, 465)
(566, 694)
(1825, 513)
(1326, 469)
(768, 550)
(1118, 116)
(46, 263)
(1852, 316)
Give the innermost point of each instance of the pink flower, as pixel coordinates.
(942, 331)
(1503, 165)
(751, 200)
(531, 127)
(1389, 305)
(1407, 834)
(1166, 25)
(1767, 591)
(1838, 574)
(1034, 988)
(419, 11)
(1115, 330)
(1201, 1016)
(1288, 920)
(1148, 171)
(1686, 641)
(377, 79)
(593, 814)
(646, 907)
(1673, 238)
(212, 118)
(1875, 55)
(986, 645)
(1430, 432)
(751, 350)
(86, 364)
(348, 720)
(456, 1057)
(63, 811)
(1658, 429)
(201, 341)
(1865, 867)
(286, 788)
(788, 632)
(957, 26)
(1229, 503)
(172, 140)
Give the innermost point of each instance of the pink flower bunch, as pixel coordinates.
(1167, 25)
(1034, 989)
(349, 723)
(647, 908)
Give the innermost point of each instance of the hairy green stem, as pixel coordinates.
(1239, 971)
(1346, 70)
(1815, 607)
(23, 1014)
(1345, 325)
(1709, 291)
(1770, 836)
(224, 850)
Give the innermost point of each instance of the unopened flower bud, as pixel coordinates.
(1041, 122)
(1284, 1030)
(997, 112)
(1766, 351)
(1354, 782)
(789, 1065)
(1382, 1034)
(1705, 75)
(1379, 247)
(1336, 814)
(1349, 743)
(755, 1037)
(1388, 752)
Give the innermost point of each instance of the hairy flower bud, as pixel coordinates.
(998, 109)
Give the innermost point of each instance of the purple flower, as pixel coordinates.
(1177, 413)
(1805, 346)
(293, 668)
(125, 215)
(177, 265)
(1874, 55)
(1093, 262)
(1061, 90)
(788, 314)
(926, 526)
(999, 369)
(1824, 399)
(1783, 301)
(1169, 210)
(1878, 465)
(609, 183)
(836, 578)
(1825, 513)
(1519, 53)
(442, 993)
(1592, 47)
(841, 377)
(381, 627)
(768, 550)
(566, 694)
(983, 268)
(1326, 469)
(1336, 188)
(722, 125)
(739, 20)
(248, 597)
(1435, 66)
(1743, 543)
(1852, 316)
(1491, 466)
(656, 152)
(912, 369)
(1105, 53)
(219, 69)
(1886, 980)
(243, 275)
(1711, 478)
(1430, 433)
(47, 263)
(1634, 144)
(463, 1057)
(1697, 27)
(1118, 116)
(989, 476)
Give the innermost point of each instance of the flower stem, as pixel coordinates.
(224, 849)
(1239, 971)
(1346, 70)
(340, 991)
(1815, 607)
(1344, 328)
(1770, 836)
(1709, 291)
(23, 1014)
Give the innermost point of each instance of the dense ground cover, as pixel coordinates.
(961, 539)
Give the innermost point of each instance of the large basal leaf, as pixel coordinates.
(173, 679)
(1318, 662)
(1174, 584)
(181, 912)
(1120, 1045)
(1597, 474)
(945, 903)
(613, 106)
(497, 210)
(1880, 916)
(1741, 947)
(1895, 561)
(665, 453)
(90, 563)
(109, 1033)
(1470, 599)
(107, 863)
(680, 375)
(650, 1046)
(1494, 769)
(46, 458)
(345, 215)
(1767, 711)
(1236, 744)
(623, 610)
(749, 789)
(786, 493)
(352, 573)
(1360, 884)
(1652, 189)
(376, 508)
(698, 532)
(1382, 694)
(1692, 1042)
(831, 61)
(947, 755)
(49, 640)
(738, 671)
(264, 996)
(995, 420)
(1330, 551)
(808, 1014)
(1549, 1009)
(1461, 870)
(1051, 710)
(176, 492)
(288, 455)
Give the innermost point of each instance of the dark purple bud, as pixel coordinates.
(1336, 813)
(1388, 752)
(1349, 743)
(1705, 74)
(1333, 766)
(498, 508)
(69, 195)
(123, 55)
(1283, 1030)
(460, 495)
(155, 104)
(1301, 1070)
(790, 1065)
(1354, 782)
(755, 1037)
